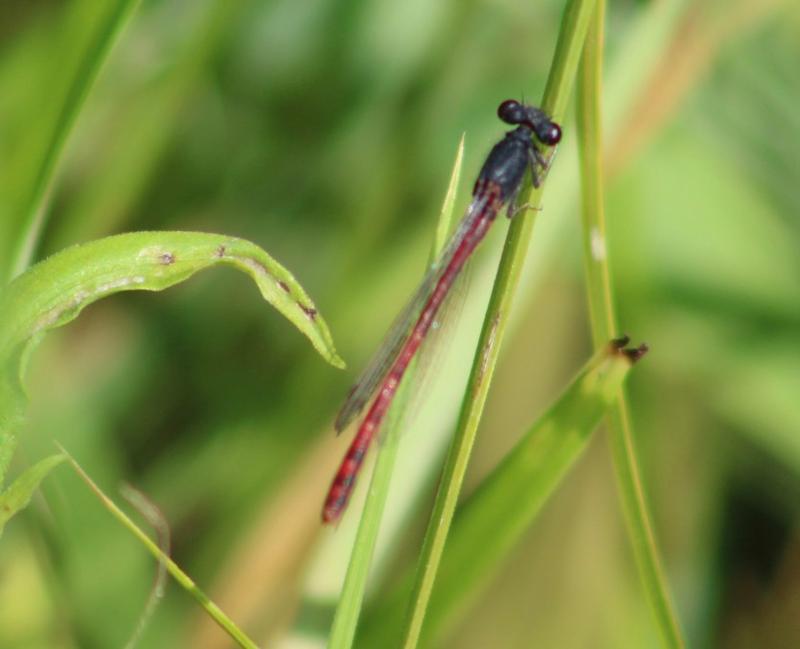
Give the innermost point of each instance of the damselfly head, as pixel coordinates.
(513, 112)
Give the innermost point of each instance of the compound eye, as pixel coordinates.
(549, 134)
(511, 112)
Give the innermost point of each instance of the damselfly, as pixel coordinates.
(498, 184)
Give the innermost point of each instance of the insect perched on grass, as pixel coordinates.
(498, 184)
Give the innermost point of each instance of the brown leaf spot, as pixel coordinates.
(311, 312)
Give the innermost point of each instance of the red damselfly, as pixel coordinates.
(498, 184)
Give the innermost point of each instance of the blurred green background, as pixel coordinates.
(325, 132)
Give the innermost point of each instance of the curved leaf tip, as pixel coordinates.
(57, 289)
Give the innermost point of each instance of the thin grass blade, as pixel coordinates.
(186, 582)
(97, 49)
(603, 324)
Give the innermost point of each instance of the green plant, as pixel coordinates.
(325, 132)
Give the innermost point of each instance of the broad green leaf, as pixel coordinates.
(55, 291)
(18, 495)
(486, 527)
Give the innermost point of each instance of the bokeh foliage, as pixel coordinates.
(324, 131)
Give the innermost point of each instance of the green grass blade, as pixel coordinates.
(348, 609)
(589, 127)
(34, 208)
(603, 325)
(445, 224)
(18, 495)
(186, 582)
(562, 73)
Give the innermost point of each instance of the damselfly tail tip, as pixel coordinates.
(336, 502)
(330, 515)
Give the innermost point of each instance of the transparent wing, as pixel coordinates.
(400, 330)
(383, 359)
(433, 351)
